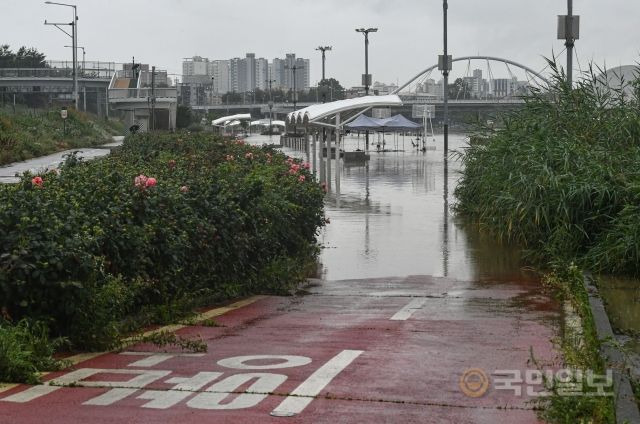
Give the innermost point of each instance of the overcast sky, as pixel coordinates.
(162, 32)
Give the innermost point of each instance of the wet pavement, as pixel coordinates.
(416, 319)
(45, 163)
(358, 351)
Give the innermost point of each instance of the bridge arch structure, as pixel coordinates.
(507, 62)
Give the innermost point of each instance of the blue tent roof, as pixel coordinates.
(364, 123)
(395, 123)
(399, 123)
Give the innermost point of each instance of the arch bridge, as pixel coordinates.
(533, 77)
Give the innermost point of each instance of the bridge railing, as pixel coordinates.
(48, 73)
(141, 93)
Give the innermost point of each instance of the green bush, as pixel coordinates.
(25, 350)
(562, 177)
(89, 250)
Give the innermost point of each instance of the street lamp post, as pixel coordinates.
(270, 82)
(295, 68)
(324, 58)
(366, 78)
(74, 42)
(569, 30)
(83, 56)
(444, 65)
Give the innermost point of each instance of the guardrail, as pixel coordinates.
(50, 73)
(141, 93)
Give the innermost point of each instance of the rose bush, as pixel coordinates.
(93, 249)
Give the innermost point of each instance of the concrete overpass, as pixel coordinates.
(57, 85)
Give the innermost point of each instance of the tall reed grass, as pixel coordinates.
(562, 177)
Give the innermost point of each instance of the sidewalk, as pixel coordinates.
(35, 165)
(387, 350)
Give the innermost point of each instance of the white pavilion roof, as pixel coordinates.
(315, 113)
(239, 117)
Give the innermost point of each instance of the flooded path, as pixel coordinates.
(392, 217)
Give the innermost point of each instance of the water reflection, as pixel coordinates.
(392, 217)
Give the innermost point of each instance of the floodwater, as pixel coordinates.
(392, 217)
(622, 299)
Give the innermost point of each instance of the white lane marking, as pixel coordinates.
(30, 394)
(306, 392)
(110, 397)
(238, 362)
(38, 391)
(184, 387)
(406, 312)
(154, 359)
(215, 395)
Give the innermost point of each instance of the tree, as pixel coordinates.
(460, 89)
(23, 58)
(183, 117)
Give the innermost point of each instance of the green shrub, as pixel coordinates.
(88, 250)
(562, 177)
(25, 350)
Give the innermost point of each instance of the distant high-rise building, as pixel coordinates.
(262, 74)
(246, 74)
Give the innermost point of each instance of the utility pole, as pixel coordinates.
(153, 98)
(74, 42)
(83, 56)
(366, 78)
(569, 30)
(270, 82)
(294, 68)
(324, 58)
(444, 65)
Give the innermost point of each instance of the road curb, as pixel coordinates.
(625, 403)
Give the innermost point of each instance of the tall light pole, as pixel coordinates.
(569, 30)
(293, 69)
(83, 55)
(270, 82)
(74, 42)
(444, 65)
(324, 58)
(366, 78)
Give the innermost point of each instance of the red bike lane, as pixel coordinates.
(377, 350)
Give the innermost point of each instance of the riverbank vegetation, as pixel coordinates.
(166, 224)
(562, 178)
(27, 133)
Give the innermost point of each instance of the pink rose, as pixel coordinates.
(292, 171)
(306, 165)
(37, 181)
(140, 181)
(249, 156)
(184, 189)
(301, 178)
(151, 182)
